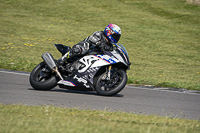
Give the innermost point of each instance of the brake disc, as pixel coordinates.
(109, 83)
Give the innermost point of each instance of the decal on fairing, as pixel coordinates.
(68, 83)
(81, 80)
(91, 70)
(106, 58)
(123, 54)
(87, 61)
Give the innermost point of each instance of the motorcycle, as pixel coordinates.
(103, 71)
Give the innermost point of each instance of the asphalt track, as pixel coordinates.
(15, 89)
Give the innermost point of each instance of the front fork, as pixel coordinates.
(109, 69)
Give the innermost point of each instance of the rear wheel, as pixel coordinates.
(42, 78)
(113, 86)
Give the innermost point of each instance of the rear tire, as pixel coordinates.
(113, 86)
(45, 81)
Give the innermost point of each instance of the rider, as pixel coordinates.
(99, 39)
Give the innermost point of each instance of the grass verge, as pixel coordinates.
(21, 118)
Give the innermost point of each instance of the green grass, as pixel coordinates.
(161, 36)
(49, 119)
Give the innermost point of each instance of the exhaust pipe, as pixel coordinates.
(49, 60)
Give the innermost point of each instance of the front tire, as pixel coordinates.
(41, 78)
(113, 86)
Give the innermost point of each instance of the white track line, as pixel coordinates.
(17, 73)
(193, 92)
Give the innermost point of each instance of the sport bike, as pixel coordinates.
(103, 71)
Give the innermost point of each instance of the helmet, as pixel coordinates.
(113, 32)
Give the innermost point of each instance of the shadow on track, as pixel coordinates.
(76, 92)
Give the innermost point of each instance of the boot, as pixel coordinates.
(63, 59)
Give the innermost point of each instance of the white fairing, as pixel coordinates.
(118, 56)
(87, 61)
(95, 61)
(64, 82)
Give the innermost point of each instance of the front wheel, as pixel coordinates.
(112, 86)
(42, 78)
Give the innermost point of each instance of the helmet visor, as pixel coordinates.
(116, 36)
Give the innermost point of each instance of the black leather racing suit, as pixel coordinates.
(97, 40)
